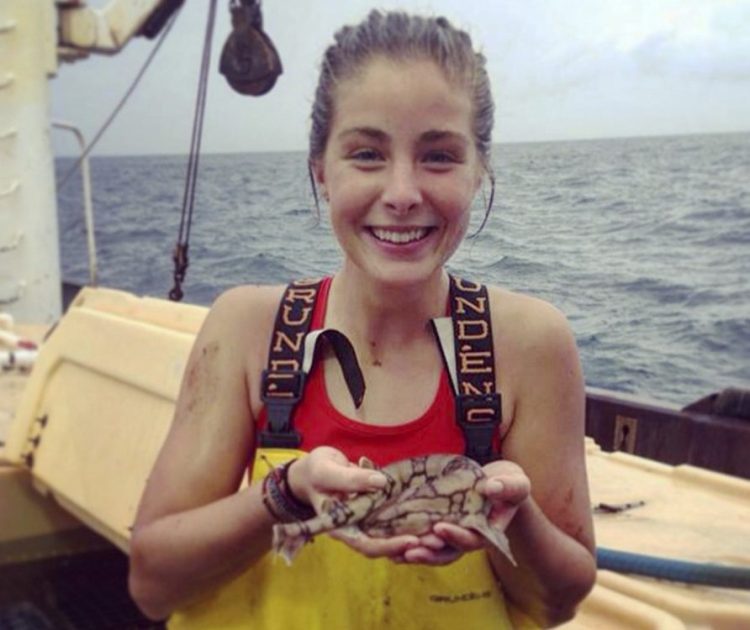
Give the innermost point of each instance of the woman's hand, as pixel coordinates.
(326, 472)
(506, 487)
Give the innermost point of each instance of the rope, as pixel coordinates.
(180, 253)
(120, 105)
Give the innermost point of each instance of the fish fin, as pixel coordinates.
(366, 462)
(496, 537)
(288, 539)
(348, 532)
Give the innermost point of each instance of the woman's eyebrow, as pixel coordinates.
(432, 135)
(435, 135)
(370, 132)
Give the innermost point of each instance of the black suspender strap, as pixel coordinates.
(284, 380)
(290, 360)
(465, 340)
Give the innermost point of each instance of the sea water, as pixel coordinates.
(644, 243)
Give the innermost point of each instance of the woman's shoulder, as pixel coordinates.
(538, 364)
(514, 305)
(249, 298)
(244, 313)
(528, 324)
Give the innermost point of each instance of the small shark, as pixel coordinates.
(419, 492)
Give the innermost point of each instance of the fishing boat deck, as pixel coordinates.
(83, 591)
(12, 382)
(55, 573)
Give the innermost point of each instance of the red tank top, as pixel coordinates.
(319, 423)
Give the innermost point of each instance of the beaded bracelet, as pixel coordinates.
(279, 498)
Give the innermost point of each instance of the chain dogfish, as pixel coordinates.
(420, 492)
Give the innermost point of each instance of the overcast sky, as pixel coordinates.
(561, 69)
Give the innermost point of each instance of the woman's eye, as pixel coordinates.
(365, 155)
(440, 157)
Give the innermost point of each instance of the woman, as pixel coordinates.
(399, 146)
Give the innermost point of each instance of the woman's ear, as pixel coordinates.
(316, 168)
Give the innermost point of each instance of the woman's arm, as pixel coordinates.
(551, 533)
(192, 528)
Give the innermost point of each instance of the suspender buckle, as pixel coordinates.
(479, 417)
(269, 439)
(286, 386)
(280, 392)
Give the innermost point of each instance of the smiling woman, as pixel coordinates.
(400, 141)
(400, 170)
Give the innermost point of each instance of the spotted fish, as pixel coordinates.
(419, 492)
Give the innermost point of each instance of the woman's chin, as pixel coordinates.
(400, 275)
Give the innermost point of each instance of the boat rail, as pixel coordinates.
(88, 205)
(695, 434)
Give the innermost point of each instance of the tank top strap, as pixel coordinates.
(321, 304)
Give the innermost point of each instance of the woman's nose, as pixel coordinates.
(402, 192)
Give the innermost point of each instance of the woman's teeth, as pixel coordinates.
(400, 237)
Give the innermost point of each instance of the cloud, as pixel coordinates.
(705, 41)
(582, 68)
(710, 59)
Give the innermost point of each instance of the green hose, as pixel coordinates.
(675, 570)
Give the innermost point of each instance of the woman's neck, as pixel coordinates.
(373, 312)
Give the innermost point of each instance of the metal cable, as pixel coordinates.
(180, 253)
(120, 105)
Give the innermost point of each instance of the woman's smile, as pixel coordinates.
(400, 236)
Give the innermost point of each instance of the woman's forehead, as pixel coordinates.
(381, 67)
(391, 93)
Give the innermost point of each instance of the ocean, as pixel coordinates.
(644, 243)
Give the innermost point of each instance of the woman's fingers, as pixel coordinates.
(506, 492)
(333, 476)
(445, 544)
(394, 547)
(506, 482)
(327, 471)
(459, 537)
(432, 541)
(436, 557)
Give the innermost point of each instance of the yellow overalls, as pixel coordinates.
(331, 587)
